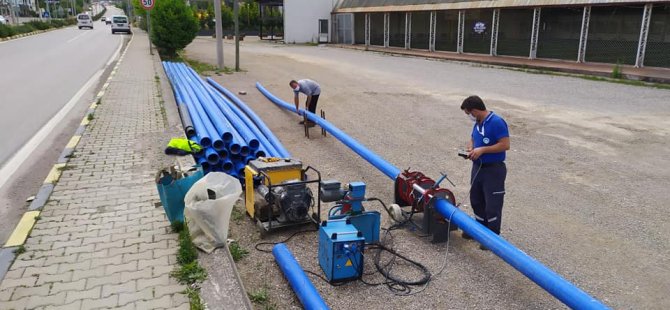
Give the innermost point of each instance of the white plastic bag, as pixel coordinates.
(208, 219)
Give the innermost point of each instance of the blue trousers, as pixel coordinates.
(488, 193)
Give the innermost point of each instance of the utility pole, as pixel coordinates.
(219, 33)
(236, 12)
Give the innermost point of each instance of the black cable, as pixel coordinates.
(283, 241)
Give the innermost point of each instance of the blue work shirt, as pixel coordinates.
(492, 129)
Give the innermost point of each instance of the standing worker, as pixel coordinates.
(311, 89)
(486, 149)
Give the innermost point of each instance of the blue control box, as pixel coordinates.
(341, 250)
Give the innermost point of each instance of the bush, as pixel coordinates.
(173, 26)
(39, 25)
(99, 15)
(6, 31)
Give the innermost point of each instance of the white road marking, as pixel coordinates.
(13, 164)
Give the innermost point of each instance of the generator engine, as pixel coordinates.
(406, 195)
(291, 200)
(277, 193)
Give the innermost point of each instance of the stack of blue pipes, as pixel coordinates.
(230, 133)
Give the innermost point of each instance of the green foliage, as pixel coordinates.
(194, 298)
(173, 26)
(259, 296)
(177, 226)
(187, 252)
(189, 273)
(12, 30)
(249, 15)
(616, 71)
(237, 252)
(100, 15)
(20, 250)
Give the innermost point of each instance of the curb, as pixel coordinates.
(25, 225)
(27, 34)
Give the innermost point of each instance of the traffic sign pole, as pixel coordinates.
(148, 5)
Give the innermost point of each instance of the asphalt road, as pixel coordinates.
(41, 75)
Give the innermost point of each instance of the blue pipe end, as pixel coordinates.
(223, 154)
(260, 153)
(254, 144)
(227, 137)
(218, 145)
(234, 148)
(205, 142)
(227, 166)
(244, 151)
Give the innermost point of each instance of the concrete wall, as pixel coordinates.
(301, 19)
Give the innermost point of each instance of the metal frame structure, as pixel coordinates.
(367, 29)
(432, 31)
(261, 10)
(387, 29)
(644, 34)
(408, 30)
(494, 32)
(461, 31)
(584, 36)
(535, 34)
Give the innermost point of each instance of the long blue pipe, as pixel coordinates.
(204, 126)
(376, 160)
(553, 283)
(307, 294)
(278, 146)
(243, 118)
(220, 102)
(185, 115)
(217, 120)
(201, 134)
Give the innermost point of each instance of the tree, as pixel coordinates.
(173, 26)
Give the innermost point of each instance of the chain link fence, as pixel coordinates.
(658, 42)
(478, 31)
(377, 29)
(397, 30)
(359, 28)
(446, 32)
(420, 30)
(558, 36)
(514, 32)
(614, 33)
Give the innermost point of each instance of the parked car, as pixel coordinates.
(120, 24)
(108, 21)
(84, 20)
(103, 19)
(2, 20)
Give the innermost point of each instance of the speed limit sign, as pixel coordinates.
(148, 4)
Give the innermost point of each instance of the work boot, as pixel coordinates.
(483, 248)
(465, 236)
(301, 122)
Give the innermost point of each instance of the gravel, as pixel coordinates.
(587, 174)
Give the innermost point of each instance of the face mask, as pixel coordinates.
(297, 88)
(472, 117)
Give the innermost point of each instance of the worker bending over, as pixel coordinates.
(311, 89)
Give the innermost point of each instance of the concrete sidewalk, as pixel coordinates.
(647, 74)
(100, 242)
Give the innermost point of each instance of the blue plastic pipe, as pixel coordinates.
(376, 160)
(201, 134)
(245, 136)
(217, 120)
(549, 280)
(276, 144)
(307, 294)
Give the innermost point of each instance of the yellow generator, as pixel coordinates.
(277, 194)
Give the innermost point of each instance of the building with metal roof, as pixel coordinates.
(607, 31)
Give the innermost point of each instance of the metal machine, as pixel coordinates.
(414, 189)
(342, 238)
(277, 194)
(341, 247)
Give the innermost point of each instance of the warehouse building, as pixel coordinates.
(604, 31)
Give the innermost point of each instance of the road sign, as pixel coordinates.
(148, 4)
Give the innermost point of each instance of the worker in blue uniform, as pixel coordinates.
(488, 143)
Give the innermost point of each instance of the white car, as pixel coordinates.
(120, 24)
(2, 20)
(84, 20)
